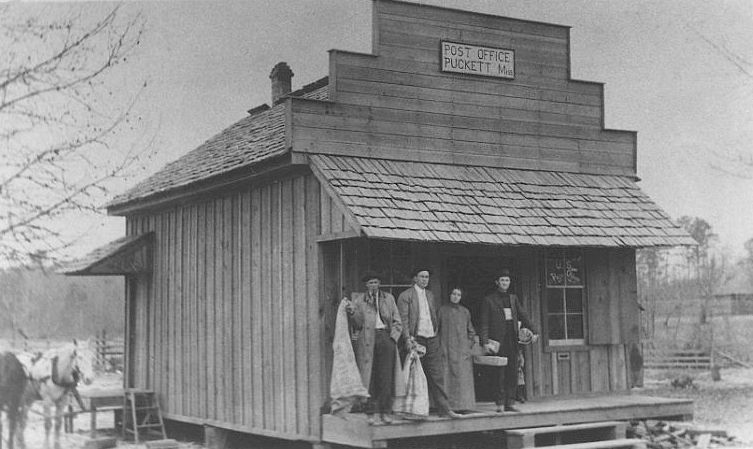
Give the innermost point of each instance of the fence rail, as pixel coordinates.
(677, 359)
(110, 351)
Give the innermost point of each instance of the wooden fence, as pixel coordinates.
(110, 352)
(680, 359)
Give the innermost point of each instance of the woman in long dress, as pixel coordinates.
(456, 336)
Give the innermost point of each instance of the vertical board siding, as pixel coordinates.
(227, 325)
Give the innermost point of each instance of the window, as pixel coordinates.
(565, 298)
(393, 261)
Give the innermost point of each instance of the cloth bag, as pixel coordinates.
(345, 386)
(414, 403)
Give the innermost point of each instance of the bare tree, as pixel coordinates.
(736, 162)
(60, 112)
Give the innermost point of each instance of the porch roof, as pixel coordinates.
(126, 255)
(471, 204)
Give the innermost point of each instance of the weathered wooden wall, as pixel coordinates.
(230, 332)
(612, 327)
(397, 103)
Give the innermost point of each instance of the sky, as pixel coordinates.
(680, 73)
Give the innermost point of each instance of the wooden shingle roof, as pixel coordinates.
(254, 138)
(452, 203)
(122, 256)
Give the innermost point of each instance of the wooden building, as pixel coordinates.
(461, 142)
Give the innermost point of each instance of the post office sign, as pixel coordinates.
(477, 60)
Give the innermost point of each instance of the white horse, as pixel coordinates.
(51, 378)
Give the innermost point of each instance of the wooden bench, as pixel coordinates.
(565, 434)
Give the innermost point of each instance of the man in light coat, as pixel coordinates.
(418, 312)
(376, 329)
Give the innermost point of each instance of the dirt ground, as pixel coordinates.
(727, 404)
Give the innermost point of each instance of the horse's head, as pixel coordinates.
(84, 360)
(76, 364)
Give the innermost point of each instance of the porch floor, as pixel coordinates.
(354, 430)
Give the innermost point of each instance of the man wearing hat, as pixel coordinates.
(500, 312)
(376, 329)
(418, 312)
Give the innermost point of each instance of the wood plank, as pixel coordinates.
(493, 130)
(287, 298)
(315, 330)
(628, 293)
(564, 374)
(555, 373)
(268, 338)
(227, 392)
(276, 296)
(326, 216)
(163, 319)
(395, 29)
(600, 299)
(201, 307)
(210, 323)
(617, 368)
(301, 299)
(396, 150)
(362, 93)
(216, 320)
(615, 320)
(599, 358)
(238, 311)
(178, 370)
(192, 320)
(397, 77)
(469, 20)
(582, 368)
(527, 61)
(257, 317)
(578, 91)
(247, 324)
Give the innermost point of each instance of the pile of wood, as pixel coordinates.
(672, 435)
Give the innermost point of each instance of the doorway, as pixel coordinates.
(475, 276)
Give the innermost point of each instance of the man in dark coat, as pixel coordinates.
(376, 329)
(500, 313)
(418, 312)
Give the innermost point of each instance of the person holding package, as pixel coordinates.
(500, 313)
(418, 312)
(457, 338)
(376, 328)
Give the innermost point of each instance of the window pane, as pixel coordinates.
(574, 326)
(574, 269)
(555, 270)
(574, 300)
(554, 300)
(556, 327)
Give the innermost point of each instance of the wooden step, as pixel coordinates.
(632, 443)
(602, 430)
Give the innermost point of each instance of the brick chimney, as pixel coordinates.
(280, 76)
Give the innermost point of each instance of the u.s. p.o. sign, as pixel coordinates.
(477, 60)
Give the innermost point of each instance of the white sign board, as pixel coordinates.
(477, 60)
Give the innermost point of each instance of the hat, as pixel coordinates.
(419, 269)
(369, 275)
(504, 273)
(525, 336)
